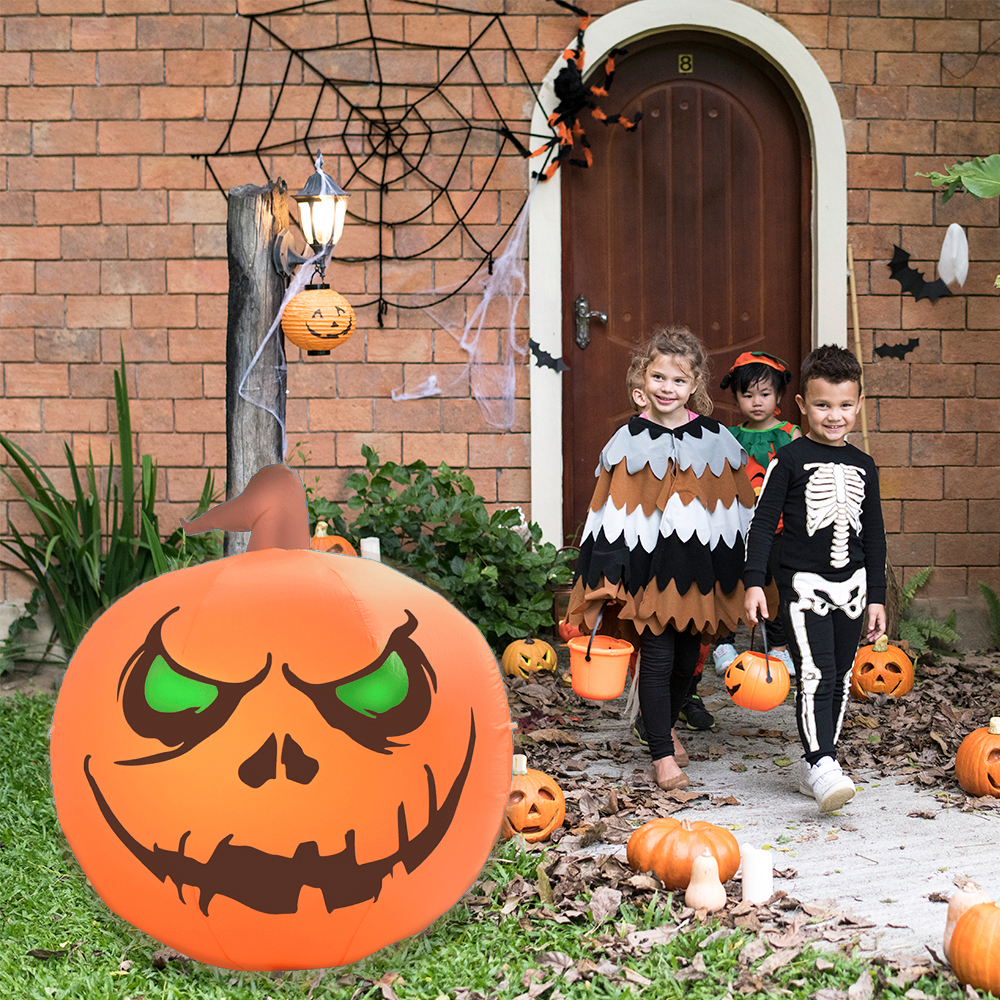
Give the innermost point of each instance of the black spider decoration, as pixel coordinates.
(574, 96)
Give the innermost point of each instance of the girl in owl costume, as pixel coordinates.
(832, 561)
(664, 537)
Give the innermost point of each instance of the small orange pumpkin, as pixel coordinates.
(323, 542)
(975, 948)
(526, 656)
(881, 669)
(757, 682)
(668, 848)
(318, 319)
(536, 805)
(977, 763)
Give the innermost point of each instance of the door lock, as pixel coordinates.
(583, 314)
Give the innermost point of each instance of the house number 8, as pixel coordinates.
(685, 64)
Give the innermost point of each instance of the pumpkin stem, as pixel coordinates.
(322, 530)
(881, 643)
(520, 764)
(995, 726)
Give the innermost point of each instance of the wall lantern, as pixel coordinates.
(317, 319)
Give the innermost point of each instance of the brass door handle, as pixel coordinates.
(583, 314)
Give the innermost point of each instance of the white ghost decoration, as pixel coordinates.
(954, 263)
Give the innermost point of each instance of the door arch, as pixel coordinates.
(827, 222)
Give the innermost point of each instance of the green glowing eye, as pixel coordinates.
(378, 691)
(168, 691)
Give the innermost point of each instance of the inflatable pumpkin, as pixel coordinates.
(264, 785)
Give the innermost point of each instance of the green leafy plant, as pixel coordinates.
(993, 606)
(85, 553)
(920, 632)
(434, 522)
(980, 178)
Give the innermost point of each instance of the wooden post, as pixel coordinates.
(253, 435)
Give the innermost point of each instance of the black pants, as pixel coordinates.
(824, 620)
(665, 671)
(776, 634)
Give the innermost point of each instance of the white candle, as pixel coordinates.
(371, 549)
(758, 874)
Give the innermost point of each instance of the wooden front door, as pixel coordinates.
(699, 218)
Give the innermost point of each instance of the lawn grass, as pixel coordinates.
(46, 904)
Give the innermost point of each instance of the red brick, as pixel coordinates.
(40, 103)
(912, 8)
(213, 311)
(967, 69)
(934, 515)
(907, 69)
(988, 453)
(911, 484)
(98, 311)
(388, 446)
(341, 415)
(889, 449)
(139, 345)
(968, 549)
(130, 67)
(947, 36)
(148, 242)
(30, 243)
(89, 415)
(857, 67)
(20, 415)
(60, 138)
(15, 138)
(193, 68)
(222, 31)
(942, 380)
(963, 482)
(899, 136)
(36, 34)
(63, 345)
(133, 207)
(409, 415)
(198, 276)
(170, 32)
(201, 416)
(910, 414)
(198, 206)
(969, 345)
(982, 515)
(910, 549)
(846, 94)
(105, 102)
(155, 310)
(210, 241)
(101, 173)
(192, 136)
(868, 170)
(104, 33)
(70, 7)
(881, 102)
(136, 6)
(127, 277)
(972, 414)
(944, 449)
(173, 172)
(160, 103)
(49, 69)
(983, 315)
(93, 242)
(810, 30)
(131, 137)
(948, 314)
(15, 69)
(988, 104)
(966, 138)
(31, 310)
(175, 449)
(881, 34)
(436, 448)
(169, 381)
(17, 277)
(368, 380)
(907, 207)
(67, 208)
(36, 380)
(506, 450)
(939, 103)
(70, 277)
(17, 344)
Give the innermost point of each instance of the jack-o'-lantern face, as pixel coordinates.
(977, 763)
(881, 669)
(264, 783)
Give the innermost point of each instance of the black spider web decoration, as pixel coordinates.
(411, 151)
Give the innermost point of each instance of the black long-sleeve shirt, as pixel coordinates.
(832, 510)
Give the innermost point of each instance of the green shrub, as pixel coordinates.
(85, 554)
(919, 632)
(436, 523)
(993, 606)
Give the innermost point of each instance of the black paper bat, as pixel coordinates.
(545, 360)
(897, 350)
(912, 280)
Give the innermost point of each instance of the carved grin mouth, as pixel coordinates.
(270, 883)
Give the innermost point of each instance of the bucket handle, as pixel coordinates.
(597, 625)
(767, 660)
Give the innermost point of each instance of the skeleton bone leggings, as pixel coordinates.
(824, 622)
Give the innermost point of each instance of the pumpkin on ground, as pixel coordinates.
(536, 806)
(323, 542)
(881, 669)
(975, 948)
(757, 682)
(977, 763)
(526, 656)
(281, 760)
(668, 848)
(968, 896)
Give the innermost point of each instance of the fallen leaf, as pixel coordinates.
(729, 800)
(863, 989)
(922, 815)
(551, 736)
(782, 761)
(604, 903)
(633, 977)
(776, 960)
(45, 953)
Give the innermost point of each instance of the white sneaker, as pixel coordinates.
(724, 655)
(786, 658)
(826, 782)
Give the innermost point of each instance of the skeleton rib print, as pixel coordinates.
(834, 495)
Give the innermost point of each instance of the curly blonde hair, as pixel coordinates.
(679, 342)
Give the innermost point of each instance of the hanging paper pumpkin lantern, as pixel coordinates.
(318, 319)
(536, 805)
(757, 682)
(881, 669)
(977, 763)
(526, 656)
(323, 542)
(266, 782)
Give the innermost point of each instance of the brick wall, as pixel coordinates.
(113, 233)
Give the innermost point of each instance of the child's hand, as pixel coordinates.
(755, 603)
(876, 621)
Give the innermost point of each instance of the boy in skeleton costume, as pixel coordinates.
(832, 561)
